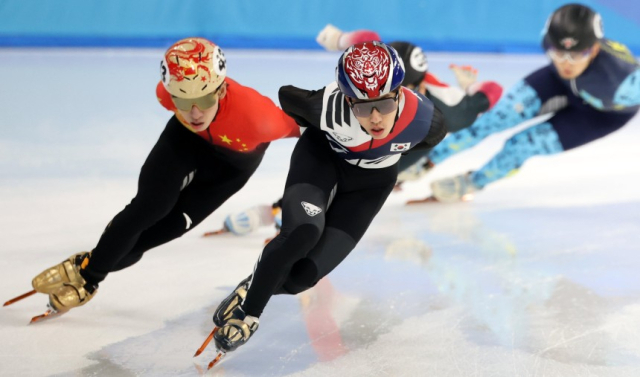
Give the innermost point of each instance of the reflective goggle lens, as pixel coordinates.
(203, 103)
(570, 56)
(384, 107)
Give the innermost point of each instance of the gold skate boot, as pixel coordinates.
(72, 295)
(65, 286)
(67, 296)
(65, 272)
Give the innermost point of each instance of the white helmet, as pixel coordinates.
(193, 67)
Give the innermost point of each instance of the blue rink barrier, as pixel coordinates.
(437, 25)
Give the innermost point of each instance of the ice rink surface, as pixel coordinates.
(539, 275)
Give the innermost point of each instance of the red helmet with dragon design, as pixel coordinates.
(369, 70)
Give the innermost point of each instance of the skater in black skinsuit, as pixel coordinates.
(342, 170)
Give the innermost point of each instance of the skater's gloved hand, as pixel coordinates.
(491, 89)
(329, 38)
(466, 75)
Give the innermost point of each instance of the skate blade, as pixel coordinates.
(217, 360)
(431, 199)
(215, 232)
(204, 345)
(50, 313)
(206, 342)
(428, 199)
(16, 299)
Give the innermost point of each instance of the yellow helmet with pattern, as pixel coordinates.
(193, 67)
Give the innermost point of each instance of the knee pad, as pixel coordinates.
(334, 246)
(303, 275)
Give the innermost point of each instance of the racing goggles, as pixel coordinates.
(205, 102)
(384, 106)
(570, 56)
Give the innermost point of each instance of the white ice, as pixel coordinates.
(537, 276)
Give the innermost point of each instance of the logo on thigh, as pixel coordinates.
(311, 209)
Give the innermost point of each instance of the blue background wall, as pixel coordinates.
(438, 25)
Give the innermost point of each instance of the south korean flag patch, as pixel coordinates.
(400, 147)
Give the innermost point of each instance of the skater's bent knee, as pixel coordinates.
(304, 275)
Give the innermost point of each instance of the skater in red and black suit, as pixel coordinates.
(342, 170)
(207, 152)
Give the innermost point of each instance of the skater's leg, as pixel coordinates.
(169, 163)
(348, 219)
(537, 140)
(207, 192)
(312, 178)
(536, 93)
(569, 128)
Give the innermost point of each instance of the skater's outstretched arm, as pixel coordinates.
(304, 106)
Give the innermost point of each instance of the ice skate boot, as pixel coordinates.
(64, 298)
(233, 327)
(237, 331)
(53, 277)
(72, 295)
(65, 286)
(454, 189)
(74, 290)
(226, 307)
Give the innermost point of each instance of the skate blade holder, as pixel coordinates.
(50, 313)
(220, 354)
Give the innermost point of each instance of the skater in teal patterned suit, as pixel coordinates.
(592, 85)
